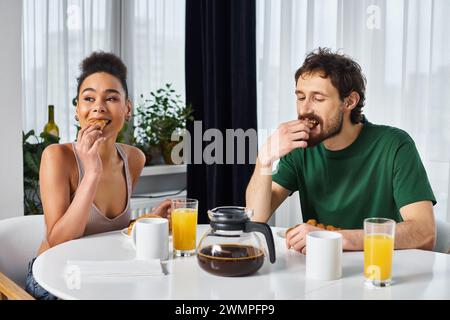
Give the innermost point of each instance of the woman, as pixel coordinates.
(86, 185)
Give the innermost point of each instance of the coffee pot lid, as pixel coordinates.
(224, 217)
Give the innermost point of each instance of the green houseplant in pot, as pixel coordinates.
(33, 146)
(157, 117)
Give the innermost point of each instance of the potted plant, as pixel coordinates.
(32, 153)
(157, 117)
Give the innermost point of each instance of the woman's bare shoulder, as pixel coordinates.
(59, 154)
(136, 158)
(133, 153)
(58, 160)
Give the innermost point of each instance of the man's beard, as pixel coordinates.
(334, 128)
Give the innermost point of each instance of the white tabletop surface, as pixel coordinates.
(417, 274)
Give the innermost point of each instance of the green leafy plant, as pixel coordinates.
(126, 134)
(32, 153)
(157, 117)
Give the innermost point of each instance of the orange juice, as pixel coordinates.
(378, 251)
(184, 227)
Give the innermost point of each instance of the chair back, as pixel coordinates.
(20, 238)
(442, 237)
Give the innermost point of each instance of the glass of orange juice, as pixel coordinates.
(378, 250)
(184, 226)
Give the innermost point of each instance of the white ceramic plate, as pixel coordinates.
(124, 232)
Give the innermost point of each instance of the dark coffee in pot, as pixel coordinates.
(231, 260)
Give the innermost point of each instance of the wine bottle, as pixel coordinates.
(51, 127)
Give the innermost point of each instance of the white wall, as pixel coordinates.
(11, 170)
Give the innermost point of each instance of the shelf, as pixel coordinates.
(163, 169)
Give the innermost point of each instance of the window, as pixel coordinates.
(402, 47)
(58, 34)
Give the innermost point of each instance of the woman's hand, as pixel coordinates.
(164, 209)
(88, 143)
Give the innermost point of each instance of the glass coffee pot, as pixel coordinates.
(231, 247)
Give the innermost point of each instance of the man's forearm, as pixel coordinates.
(259, 192)
(352, 240)
(412, 235)
(408, 235)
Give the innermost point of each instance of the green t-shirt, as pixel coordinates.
(375, 176)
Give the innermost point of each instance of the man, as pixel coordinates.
(345, 168)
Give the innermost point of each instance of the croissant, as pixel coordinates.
(314, 223)
(101, 122)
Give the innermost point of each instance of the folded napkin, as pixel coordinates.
(117, 268)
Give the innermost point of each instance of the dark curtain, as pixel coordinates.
(221, 86)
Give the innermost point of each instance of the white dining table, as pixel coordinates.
(417, 274)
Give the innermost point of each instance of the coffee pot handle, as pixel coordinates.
(267, 232)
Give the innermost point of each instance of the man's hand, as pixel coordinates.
(289, 136)
(296, 237)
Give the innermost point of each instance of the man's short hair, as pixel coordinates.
(345, 75)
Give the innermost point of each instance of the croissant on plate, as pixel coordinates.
(329, 227)
(314, 223)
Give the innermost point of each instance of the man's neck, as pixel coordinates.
(346, 137)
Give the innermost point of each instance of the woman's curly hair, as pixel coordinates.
(100, 61)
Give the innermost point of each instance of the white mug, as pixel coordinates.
(150, 237)
(324, 255)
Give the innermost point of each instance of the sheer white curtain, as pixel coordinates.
(403, 49)
(153, 44)
(58, 34)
